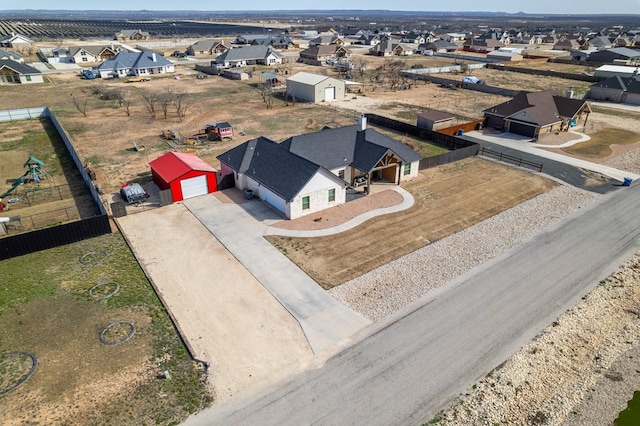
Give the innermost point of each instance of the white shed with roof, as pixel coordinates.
(315, 88)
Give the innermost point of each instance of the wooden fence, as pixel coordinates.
(460, 148)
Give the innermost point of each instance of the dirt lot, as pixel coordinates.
(448, 199)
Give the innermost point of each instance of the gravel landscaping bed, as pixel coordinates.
(387, 289)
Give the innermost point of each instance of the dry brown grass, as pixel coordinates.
(448, 198)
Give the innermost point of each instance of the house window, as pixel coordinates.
(406, 170)
(28, 77)
(305, 203)
(332, 194)
(84, 60)
(341, 174)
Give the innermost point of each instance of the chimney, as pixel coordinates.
(153, 56)
(362, 122)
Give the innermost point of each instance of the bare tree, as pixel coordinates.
(179, 101)
(126, 103)
(81, 105)
(150, 101)
(164, 104)
(267, 95)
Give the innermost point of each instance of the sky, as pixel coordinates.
(538, 6)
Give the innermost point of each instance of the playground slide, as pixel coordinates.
(16, 184)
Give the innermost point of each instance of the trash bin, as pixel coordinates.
(248, 194)
(460, 132)
(627, 181)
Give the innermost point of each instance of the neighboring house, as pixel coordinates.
(208, 47)
(135, 64)
(248, 55)
(12, 56)
(369, 39)
(415, 38)
(131, 35)
(16, 72)
(326, 39)
(390, 47)
(600, 42)
(435, 120)
(280, 42)
(616, 54)
(453, 37)
(94, 53)
(316, 55)
(309, 173)
(16, 41)
(481, 45)
(607, 71)
(315, 88)
(186, 175)
(438, 46)
(617, 89)
(505, 56)
(533, 114)
(568, 45)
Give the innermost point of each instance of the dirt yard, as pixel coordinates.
(448, 198)
(58, 198)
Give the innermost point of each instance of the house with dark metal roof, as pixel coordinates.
(617, 89)
(15, 72)
(311, 172)
(135, 64)
(533, 114)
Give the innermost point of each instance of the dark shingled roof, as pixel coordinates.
(271, 165)
(18, 67)
(539, 108)
(625, 84)
(333, 148)
(435, 115)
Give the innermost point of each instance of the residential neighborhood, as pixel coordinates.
(319, 216)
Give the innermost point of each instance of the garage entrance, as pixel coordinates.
(329, 93)
(194, 186)
(522, 129)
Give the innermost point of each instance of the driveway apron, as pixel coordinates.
(241, 229)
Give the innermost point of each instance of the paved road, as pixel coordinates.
(407, 368)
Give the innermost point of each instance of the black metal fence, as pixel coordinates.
(518, 161)
(54, 235)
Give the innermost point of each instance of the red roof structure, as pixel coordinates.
(187, 175)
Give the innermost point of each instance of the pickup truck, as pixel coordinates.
(88, 74)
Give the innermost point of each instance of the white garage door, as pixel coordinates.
(273, 199)
(329, 93)
(194, 186)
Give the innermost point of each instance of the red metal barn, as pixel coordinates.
(186, 175)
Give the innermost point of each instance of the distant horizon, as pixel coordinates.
(541, 7)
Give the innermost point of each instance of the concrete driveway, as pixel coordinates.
(241, 229)
(225, 315)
